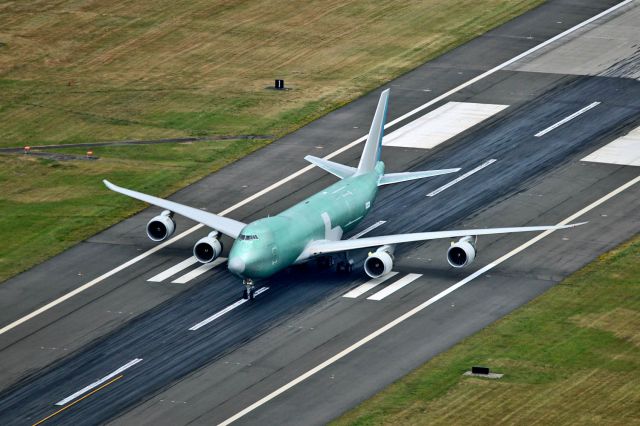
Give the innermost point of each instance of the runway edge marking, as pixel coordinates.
(422, 306)
(307, 168)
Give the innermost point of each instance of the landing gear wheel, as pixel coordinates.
(325, 262)
(344, 267)
(248, 293)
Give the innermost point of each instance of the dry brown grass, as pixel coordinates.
(93, 70)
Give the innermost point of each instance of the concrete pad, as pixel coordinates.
(610, 49)
(441, 124)
(624, 151)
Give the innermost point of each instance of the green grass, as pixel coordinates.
(47, 206)
(571, 356)
(79, 71)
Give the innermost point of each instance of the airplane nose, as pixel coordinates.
(236, 265)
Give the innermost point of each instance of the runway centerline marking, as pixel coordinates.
(363, 288)
(75, 402)
(422, 306)
(173, 270)
(368, 229)
(99, 382)
(462, 177)
(566, 119)
(199, 271)
(395, 286)
(292, 176)
(226, 310)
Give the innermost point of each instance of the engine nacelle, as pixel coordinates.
(462, 253)
(380, 262)
(161, 227)
(207, 249)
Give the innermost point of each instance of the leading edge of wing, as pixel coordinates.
(225, 225)
(319, 247)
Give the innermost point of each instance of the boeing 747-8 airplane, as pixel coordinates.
(315, 226)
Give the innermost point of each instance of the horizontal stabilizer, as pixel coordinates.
(389, 178)
(336, 169)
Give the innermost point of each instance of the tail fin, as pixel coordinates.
(371, 151)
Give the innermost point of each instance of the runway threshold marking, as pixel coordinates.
(300, 172)
(441, 124)
(75, 402)
(99, 382)
(226, 310)
(173, 270)
(199, 271)
(395, 286)
(362, 289)
(422, 306)
(566, 119)
(462, 177)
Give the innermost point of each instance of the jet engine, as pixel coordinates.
(462, 253)
(207, 249)
(161, 227)
(380, 262)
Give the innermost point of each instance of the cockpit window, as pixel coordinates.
(248, 237)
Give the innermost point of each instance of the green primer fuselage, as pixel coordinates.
(269, 245)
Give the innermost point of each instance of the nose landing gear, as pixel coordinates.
(249, 289)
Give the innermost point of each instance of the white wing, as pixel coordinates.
(225, 225)
(319, 247)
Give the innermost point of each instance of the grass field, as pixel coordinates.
(572, 356)
(85, 71)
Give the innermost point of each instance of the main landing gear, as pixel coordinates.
(345, 265)
(249, 289)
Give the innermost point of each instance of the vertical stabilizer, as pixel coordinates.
(371, 151)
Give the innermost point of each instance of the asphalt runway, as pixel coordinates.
(206, 376)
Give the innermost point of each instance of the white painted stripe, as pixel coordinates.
(307, 168)
(624, 151)
(441, 124)
(369, 229)
(566, 119)
(226, 310)
(363, 288)
(419, 308)
(393, 287)
(462, 177)
(99, 382)
(199, 271)
(173, 270)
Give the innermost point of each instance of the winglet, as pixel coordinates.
(372, 148)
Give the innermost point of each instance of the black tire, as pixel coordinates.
(245, 294)
(252, 294)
